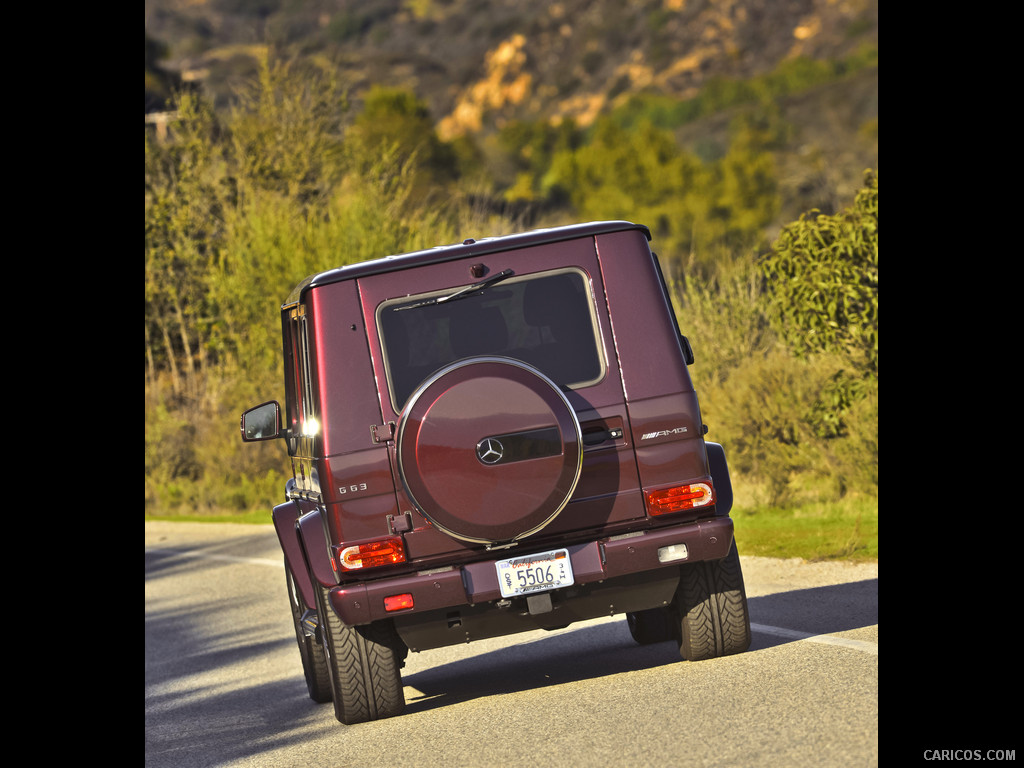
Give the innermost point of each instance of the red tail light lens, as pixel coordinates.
(682, 497)
(398, 602)
(371, 554)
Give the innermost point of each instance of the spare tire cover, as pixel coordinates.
(489, 449)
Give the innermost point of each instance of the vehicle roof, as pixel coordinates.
(462, 250)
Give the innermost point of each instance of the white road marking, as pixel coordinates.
(792, 634)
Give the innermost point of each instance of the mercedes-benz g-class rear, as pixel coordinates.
(492, 437)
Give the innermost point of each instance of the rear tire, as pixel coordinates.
(314, 663)
(651, 626)
(711, 606)
(364, 665)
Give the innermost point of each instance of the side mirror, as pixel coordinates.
(687, 349)
(262, 422)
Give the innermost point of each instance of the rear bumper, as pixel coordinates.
(612, 575)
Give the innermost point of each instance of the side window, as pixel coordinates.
(546, 320)
(301, 404)
(309, 410)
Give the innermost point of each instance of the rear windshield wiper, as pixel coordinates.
(469, 290)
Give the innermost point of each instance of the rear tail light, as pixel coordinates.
(679, 498)
(372, 554)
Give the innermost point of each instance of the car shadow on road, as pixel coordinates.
(600, 650)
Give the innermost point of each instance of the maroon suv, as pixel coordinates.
(488, 438)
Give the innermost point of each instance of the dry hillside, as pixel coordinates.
(481, 63)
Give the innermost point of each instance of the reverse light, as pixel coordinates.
(371, 554)
(673, 552)
(666, 500)
(398, 602)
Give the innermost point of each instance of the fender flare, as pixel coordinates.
(301, 534)
(720, 477)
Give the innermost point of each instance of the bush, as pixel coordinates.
(770, 415)
(799, 420)
(822, 276)
(170, 447)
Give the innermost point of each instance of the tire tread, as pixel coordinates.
(365, 664)
(712, 609)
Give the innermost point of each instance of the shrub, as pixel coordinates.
(787, 357)
(822, 276)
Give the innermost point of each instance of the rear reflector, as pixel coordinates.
(371, 554)
(681, 497)
(397, 602)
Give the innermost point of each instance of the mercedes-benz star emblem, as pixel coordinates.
(489, 450)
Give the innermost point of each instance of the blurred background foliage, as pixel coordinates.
(296, 175)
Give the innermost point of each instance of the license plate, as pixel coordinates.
(534, 573)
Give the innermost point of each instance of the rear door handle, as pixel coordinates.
(601, 436)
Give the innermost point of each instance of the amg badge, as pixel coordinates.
(664, 433)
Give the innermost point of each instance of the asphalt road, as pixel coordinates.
(224, 684)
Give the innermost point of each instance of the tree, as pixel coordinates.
(183, 230)
(822, 280)
(394, 123)
(286, 132)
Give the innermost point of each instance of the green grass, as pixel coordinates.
(844, 530)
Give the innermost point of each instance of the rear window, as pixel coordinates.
(545, 320)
